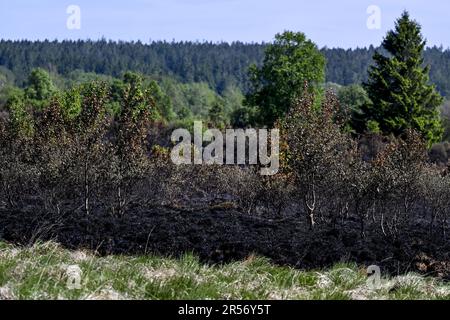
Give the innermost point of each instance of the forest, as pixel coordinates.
(218, 64)
(193, 76)
(364, 177)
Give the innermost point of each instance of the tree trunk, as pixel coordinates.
(310, 208)
(86, 188)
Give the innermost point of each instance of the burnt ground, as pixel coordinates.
(225, 235)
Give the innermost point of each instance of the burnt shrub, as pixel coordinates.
(95, 166)
(396, 175)
(74, 161)
(316, 154)
(435, 192)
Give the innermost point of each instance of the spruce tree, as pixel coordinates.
(401, 96)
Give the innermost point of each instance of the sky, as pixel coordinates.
(341, 23)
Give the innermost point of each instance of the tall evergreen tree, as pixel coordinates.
(398, 86)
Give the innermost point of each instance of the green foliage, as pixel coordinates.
(185, 113)
(244, 117)
(133, 95)
(78, 77)
(445, 116)
(6, 85)
(217, 64)
(40, 88)
(199, 98)
(373, 127)
(19, 115)
(90, 123)
(290, 61)
(216, 115)
(71, 103)
(233, 99)
(196, 100)
(352, 98)
(10, 92)
(136, 99)
(6, 77)
(398, 86)
(163, 103)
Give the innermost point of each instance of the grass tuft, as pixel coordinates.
(43, 272)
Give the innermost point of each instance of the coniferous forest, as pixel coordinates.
(217, 64)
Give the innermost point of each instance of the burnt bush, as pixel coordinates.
(94, 178)
(385, 184)
(317, 155)
(86, 160)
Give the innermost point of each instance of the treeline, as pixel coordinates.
(220, 65)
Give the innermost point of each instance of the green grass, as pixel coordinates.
(40, 272)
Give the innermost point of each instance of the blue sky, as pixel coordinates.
(340, 23)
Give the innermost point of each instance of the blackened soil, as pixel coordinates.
(220, 236)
